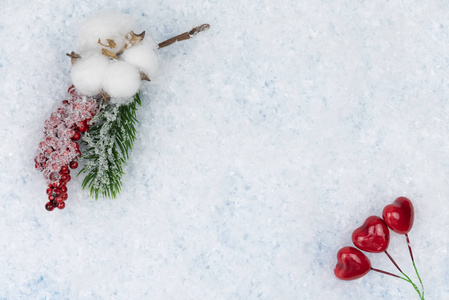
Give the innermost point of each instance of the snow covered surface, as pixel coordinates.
(263, 143)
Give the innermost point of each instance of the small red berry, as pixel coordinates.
(59, 200)
(64, 189)
(49, 206)
(73, 165)
(48, 151)
(70, 132)
(80, 123)
(51, 197)
(65, 196)
(49, 191)
(76, 136)
(61, 205)
(68, 178)
(57, 184)
(82, 126)
(75, 146)
(65, 169)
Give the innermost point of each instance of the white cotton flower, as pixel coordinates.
(143, 56)
(112, 58)
(87, 74)
(106, 25)
(121, 81)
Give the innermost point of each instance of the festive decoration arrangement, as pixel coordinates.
(374, 236)
(100, 112)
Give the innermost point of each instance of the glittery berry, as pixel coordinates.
(49, 206)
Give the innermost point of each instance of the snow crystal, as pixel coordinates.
(103, 26)
(121, 81)
(143, 56)
(87, 74)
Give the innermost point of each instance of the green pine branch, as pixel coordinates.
(108, 144)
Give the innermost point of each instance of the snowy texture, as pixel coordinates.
(121, 80)
(263, 143)
(143, 57)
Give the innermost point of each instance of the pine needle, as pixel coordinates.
(108, 144)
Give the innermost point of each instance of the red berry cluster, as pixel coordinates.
(59, 149)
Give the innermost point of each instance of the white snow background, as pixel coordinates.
(263, 143)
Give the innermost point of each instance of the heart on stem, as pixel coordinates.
(399, 215)
(372, 236)
(352, 264)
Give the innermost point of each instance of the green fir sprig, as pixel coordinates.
(108, 144)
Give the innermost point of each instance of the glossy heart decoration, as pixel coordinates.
(352, 264)
(399, 215)
(372, 236)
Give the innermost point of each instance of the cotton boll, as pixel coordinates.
(87, 74)
(121, 81)
(143, 57)
(106, 25)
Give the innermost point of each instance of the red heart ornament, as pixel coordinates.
(372, 236)
(352, 264)
(399, 215)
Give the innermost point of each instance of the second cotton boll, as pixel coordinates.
(88, 73)
(121, 80)
(113, 59)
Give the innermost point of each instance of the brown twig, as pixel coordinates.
(73, 56)
(184, 36)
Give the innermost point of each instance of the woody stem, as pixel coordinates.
(184, 36)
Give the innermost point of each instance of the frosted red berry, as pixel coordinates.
(65, 169)
(76, 136)
(73, 165)
(59, 148)
(49, 206)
